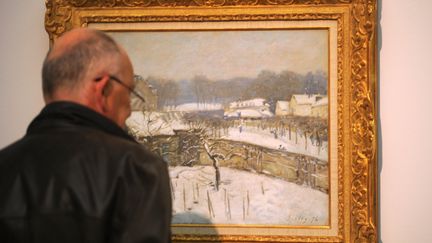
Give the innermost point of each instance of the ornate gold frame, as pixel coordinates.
(356, 88)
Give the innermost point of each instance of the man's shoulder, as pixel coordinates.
(96, 152)
(85, 142)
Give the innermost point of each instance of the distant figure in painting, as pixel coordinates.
(77, 176)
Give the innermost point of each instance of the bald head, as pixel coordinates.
(75, 56)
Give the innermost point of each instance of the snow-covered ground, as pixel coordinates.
(154, 123)
(267, 139)
(194, 107)
(249, 113)
(243, 198)
(166, 122)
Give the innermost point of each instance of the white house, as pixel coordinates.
(320, 108)
(253, 108)
(282, 108)
(301, 105)
(258, 102)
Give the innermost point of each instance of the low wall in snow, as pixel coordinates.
(300, 169)
(297, 168)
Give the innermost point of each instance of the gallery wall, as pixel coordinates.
(405, 114)
(23, 45)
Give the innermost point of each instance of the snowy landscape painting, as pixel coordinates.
(241, 118)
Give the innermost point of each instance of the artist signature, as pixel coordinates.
(303, 220)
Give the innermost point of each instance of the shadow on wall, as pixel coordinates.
(205, 232)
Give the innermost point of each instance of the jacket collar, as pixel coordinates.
(64, 113)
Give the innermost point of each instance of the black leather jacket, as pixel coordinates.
(78, 177)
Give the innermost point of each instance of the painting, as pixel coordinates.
(241, 119)
(264, 112)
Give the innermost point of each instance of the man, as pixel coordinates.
(76, 176)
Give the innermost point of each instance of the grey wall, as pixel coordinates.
(405, 107)
(23, 44)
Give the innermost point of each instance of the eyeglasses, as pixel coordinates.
(138, 95)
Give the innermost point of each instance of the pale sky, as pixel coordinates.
(224, 54)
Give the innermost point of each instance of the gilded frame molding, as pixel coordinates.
(356, 86)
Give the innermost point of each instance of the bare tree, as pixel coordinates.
(202, 129)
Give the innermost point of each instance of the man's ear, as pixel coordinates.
(102, 90)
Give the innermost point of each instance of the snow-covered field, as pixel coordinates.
(243, 198)
(157, 123)
(266, 139)
(194, 107)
